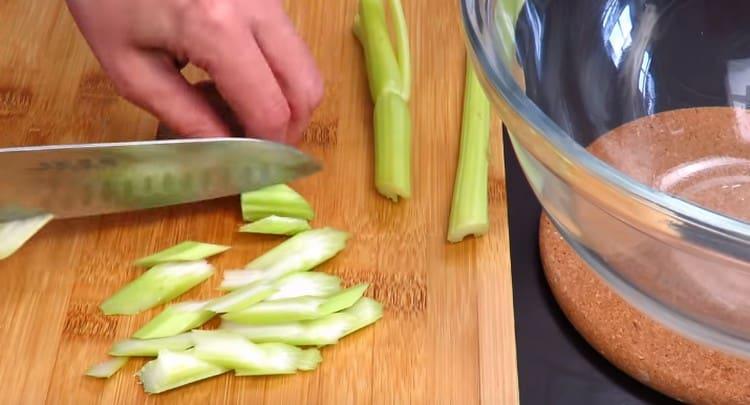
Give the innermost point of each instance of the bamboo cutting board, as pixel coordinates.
(447, 334)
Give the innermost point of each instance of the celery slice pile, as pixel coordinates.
(107, 368)
(242, 298)
(297, 309)
(187, 251)
(389, 77)
(300, 253)
(469, 215)
(14, 234)
(176, 319)
(151, 347)
(280, 200)
(175, 369)
(276, 225)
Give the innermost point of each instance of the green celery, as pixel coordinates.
(287, 360)
(157, 286)
(278, 199)
(176, 319)
(14, 234)
(187, 251)
(319, 332)
(276, 225)
(469, 213)
(299, 253)
(297, 309)
(392, 147)
(107, 368)
(172, 369)
(151, 347)
(308, 284)
(234, 351)
(365, 312)
(242, 298)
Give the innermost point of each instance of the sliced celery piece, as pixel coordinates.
(187, 251)
(242, 298)
(157, 286)
(299, 253)
(319, 332)
(14, 234)
(279, 200)
(151, 347)
(172, 369)
(469, 215)
(297, 309)
(365, 312)
(107, 368)
(276, 225)
(176, 319)
(234, 351)
(308, 284)
(284, 359)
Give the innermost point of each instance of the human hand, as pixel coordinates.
(259, 64)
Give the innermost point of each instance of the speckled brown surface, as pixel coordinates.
(654, 150)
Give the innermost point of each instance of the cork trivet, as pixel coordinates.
(654, 150)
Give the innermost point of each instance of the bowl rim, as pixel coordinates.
(502, 83)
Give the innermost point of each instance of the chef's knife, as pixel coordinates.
(93, 179)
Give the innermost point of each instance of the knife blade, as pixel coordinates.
(93, 179)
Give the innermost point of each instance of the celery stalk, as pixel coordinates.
(469, 208)
(309, 284)
(171, 370)
(242, 298)
(151, 347)
(234, 351)
(297, 309)
(176, 319)
(157, 286)
(319, 332)
(365, 312)
(299, 253)
(286, 359)
(279, 200)
(14, 234)
(275, 225)
(187, 251)
(107, 368)
(389, 78)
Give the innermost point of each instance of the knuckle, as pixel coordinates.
(316, 93)
(275, 116)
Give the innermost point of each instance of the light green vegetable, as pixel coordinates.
(275, 225)
(299, 253)
(151, 347)
(280, 200)
(242, 298)
(308, 284)
(389, 77)
(107, 368)
(234, 351)
(14, 234)
(176, 319)
(296, 309)
(285, 356)
(469, 215)
(365, 312)
(156, 286)
(172, 369)
(187, 251)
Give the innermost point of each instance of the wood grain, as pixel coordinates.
(447, 335)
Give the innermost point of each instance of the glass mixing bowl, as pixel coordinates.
(659, 210)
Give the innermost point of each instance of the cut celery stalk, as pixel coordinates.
(309, 284)
(14, 234)
(234, 351)
(242, 298)
(107, 368)
(365, 312)
(319, 332)
(469, 215)
(299, 253)
(171, 370)
(187, 251)
(279, 200)
(151, 347)
(389, 78)
(283, 359)
(176, 319)
(157, 286)
(297, 309)
(276, 225)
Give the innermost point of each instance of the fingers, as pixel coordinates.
(293, 66)
(151, 81)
